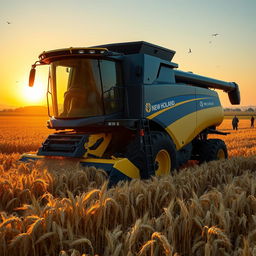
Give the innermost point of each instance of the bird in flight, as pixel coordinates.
(216, 34)
(189, 50)
(8, 22)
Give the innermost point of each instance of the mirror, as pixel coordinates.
(32, 76)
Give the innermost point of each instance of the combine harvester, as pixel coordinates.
(126, 108)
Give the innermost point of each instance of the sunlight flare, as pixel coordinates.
(35, 94)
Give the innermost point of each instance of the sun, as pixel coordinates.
(35, 94)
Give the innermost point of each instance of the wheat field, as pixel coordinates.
(49, 208)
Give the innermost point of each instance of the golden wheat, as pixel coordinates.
(241, 142)
(213, 211)
(60, 208)
(22, 133)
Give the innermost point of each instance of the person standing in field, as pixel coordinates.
(235, 122)
(252, 122)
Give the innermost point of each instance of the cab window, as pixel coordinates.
(111, 86)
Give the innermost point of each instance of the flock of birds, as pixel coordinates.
(213, 35)
(189, 50)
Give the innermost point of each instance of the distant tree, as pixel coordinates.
(7, 110)
(250, 110)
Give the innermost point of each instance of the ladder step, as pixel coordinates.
(147, 145)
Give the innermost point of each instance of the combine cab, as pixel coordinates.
(127, 109)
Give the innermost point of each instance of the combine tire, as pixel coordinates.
(164, 153)
(212, 149)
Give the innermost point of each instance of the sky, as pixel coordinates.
(36, 26)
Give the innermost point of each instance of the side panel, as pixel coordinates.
(97, 144)
(173, 106)
(209, 109)
(133, 78)
(182, 110)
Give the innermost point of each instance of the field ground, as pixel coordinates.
(51, 208)
(241, 142)
(239, 114)
(22, 134)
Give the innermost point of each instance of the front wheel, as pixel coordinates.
(164, 153)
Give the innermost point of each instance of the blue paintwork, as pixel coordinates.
(114, 174)
(170, 116)
(176, 99)
(27, 159)
(177, 112)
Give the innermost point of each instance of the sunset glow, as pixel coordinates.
(218, 34)
(128, 128)
(34, 95)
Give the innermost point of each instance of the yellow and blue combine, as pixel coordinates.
(127, 109)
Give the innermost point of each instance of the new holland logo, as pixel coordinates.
(148, 107)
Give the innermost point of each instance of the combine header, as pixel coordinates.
(127, 109)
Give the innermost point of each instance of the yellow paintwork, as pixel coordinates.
(121, 164)
(99, 160)
(221, 154)
(182, 131)
(31, 156)
(188, 127)
(208, 117)
(125, 166)
(99, 151)
(163, 160)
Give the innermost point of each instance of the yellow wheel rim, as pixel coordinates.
(162, 162)
(221, 154)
